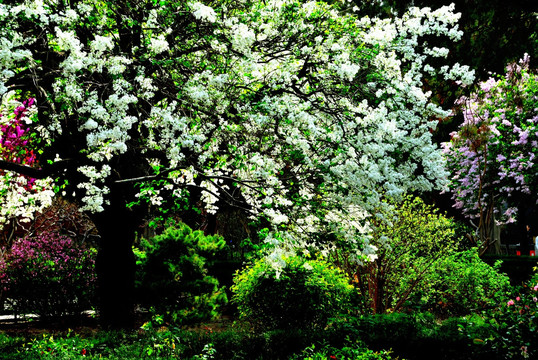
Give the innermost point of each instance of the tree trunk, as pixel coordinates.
(496, 236)
(116, 265)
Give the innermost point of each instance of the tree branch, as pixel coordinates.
(36, 173)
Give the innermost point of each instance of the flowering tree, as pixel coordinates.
(290, 111)
(20, 196)
(496, 32)
(493, 152)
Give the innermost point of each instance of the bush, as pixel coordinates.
(346, 353)
(10, 347)
(417, 336)
(49, 275)
(173, 274)
(515, 324)
(409, 239)
(306, 294)
(461, 284)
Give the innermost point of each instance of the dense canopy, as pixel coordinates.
(293, 111)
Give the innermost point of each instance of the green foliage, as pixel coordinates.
(419, 336)
(461, 284)
(515, 324)
(9, 347)
(419, 266)
(409, 239)
(69, 346)
(173, 274)
(304, 294)
(105, 345)
(416, 336)
(346, 353)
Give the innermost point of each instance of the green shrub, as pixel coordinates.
(306, 294)
(462, 283)
(104, 345)
(173, 274)
(420, 266)
(409, 239)
(515, 324)
(387, 331)
(10, 347)
(417, 336)
(49, 275)
(346, 353)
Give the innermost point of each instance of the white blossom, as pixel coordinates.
(287, 112)
(242, 37)
(203, 12)
(159, 44)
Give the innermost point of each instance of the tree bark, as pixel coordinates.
(115, 265)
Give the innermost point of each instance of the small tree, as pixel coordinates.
(409, 240)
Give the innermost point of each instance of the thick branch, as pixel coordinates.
(36, 173)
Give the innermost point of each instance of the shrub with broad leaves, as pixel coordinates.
(515, 324)
(461, 284)
(409, 238)
(303, 294)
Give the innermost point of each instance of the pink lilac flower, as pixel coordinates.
(519, 179)
(523, 136)
(486, 86)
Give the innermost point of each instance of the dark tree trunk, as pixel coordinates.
(116, 265)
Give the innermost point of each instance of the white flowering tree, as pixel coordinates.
(286, 109)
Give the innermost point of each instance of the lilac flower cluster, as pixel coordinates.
(493, 154)
(48, 274)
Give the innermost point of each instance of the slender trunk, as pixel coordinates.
(496, 236)
(377, 287)
(379, 296)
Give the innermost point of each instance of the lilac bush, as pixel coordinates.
(493, 155)
(49, 275)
